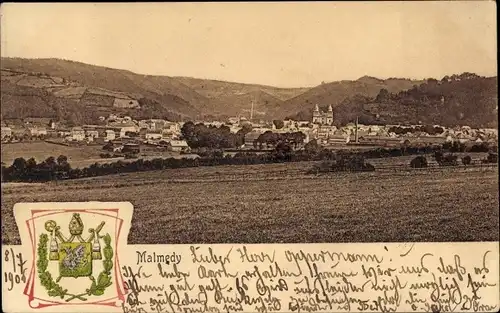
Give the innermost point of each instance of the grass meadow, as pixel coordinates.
(279, 203)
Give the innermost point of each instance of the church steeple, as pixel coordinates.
(316, 108)
(330, 109)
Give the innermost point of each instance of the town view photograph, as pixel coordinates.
(269, 122)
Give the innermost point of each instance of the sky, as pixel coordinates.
(294, 44)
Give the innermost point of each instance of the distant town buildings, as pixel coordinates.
(160, 134)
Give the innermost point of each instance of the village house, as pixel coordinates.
(92, 133)
(6, 132)
(178, 146)
(131, 148)
(143, 124)
(234, 120)
(325, 131)
(172, 127)
(37, 131)
(213, 123)
(129, 128)
(261, 129)
(38, 122)
(151, 124)
(158, 124)
(19, 132)
(167, 134)
(260, 124)
(153, 135)
(77, 134)
(63, 132)
(340, 139)
(234, 129)
(110, 135)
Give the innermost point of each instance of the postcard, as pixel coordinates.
(250, 157)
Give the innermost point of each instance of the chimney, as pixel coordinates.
(356, 131)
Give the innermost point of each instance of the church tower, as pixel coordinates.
(316, 115)
(329, 115)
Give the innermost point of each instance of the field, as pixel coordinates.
(279, 203)
(78, 156)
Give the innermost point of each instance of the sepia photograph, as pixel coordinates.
(271, 122)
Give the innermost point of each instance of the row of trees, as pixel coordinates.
(270, 139)
(202, 136)
(431, 130)
(29, 170)
(58, 169)
(450, 159)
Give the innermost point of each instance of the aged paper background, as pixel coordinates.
(231, 277)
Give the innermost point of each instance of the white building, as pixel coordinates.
(124, 130)
(178, 145)
(110, 135)
(153, 136)
(92, 133)
(6, 132)
(37, 131)
(77, 134)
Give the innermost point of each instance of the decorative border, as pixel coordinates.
(29, 290)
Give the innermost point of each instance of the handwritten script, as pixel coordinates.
(375, 277)
(316, 278)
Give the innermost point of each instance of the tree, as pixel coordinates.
(62, 163)
(283, 152)
(19, 164)
(31, 164)
(188, 133)
(108, 146)
(432, 81)
(50, 162)
(312, 147)
(62, 159)
(466, 160)
(438, 156)
(279, 124)
(419, 162)
(383, 95)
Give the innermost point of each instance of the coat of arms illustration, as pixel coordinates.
(76, 259)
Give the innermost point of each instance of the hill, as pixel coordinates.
(236, 98)
(335, 92)
(74, 80)
(79, 93)
(98, 87)
(465, 99)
